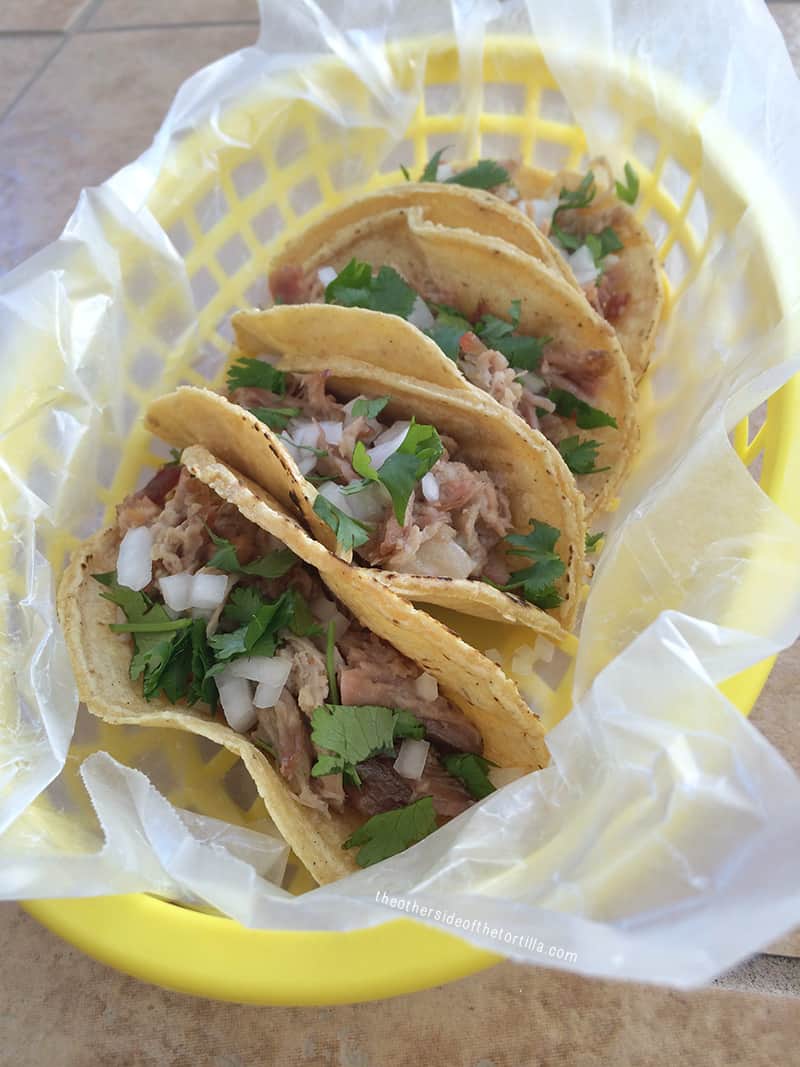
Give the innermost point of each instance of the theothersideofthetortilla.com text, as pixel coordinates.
(454, 921)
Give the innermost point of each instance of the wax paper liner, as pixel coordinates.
(660, 845)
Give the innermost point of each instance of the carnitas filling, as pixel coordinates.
(222, 616)
(398, 492)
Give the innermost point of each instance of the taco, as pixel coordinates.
(516, 331)
(589, 219)
(447, 500)
(364, 723)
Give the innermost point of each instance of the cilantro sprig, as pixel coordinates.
(169, 655)
(355, 286)
(571, 407)
(260, 625)
(247, 373)
(602, 244)
(349, 532)
(391, 832)
(369, 409)
(273, 565)
(572, 200)
(420, 449)
(536, 582)
(472, 770)
(580, 456)
(352, 735)
(276, 418)
(591, 541)
(485, 174)
(522, 353)
(330, 662)
(629, 190)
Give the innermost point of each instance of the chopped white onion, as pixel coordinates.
(202, 613)
(583, 266)
(134, 564)
(326, 275)
(332, 431)
(176, 590)
(430, 487)
(421, 316)
(500, 776)
(443, 559)
(410, 762)
(236, 698)
(523, 661)
(443, 172)
(544, 649)
(368, 505)
(610, 261)
(427, 687)
(510, 193)
(208, 591)
(302, 432)
(534, 383)
(543, 209)
(388, 443)
(271, 669)
(495, 655)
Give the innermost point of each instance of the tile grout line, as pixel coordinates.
(206, 25)
(75, 26)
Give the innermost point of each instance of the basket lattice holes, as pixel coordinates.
(226, 221)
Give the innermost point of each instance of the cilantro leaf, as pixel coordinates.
(274, 565)
(351, 735)
(591, 540)
(447, 337)
(429, 174)
(407, 724)
(420, 449)
(330, 662)
(253, 373)
(570, 200)
(405, 172)
(630, 190)
(472, 770)
(174, 458)
(369, 409)
(349, 532)
(276, 418)
(260, 624)
(448, 329)
(391, 832)
(536, 583)
(523, 353)
(586, 417)
(203, 687)
(134, 604)
(485, 174)
(580, 456)
(603, 243)
(302, 622)
(355, 286)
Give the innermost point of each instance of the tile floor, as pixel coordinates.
(83, 85)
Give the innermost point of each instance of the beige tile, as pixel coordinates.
(156, 12)
(94, 109)
(60, 1007)
(20, 59)
(39, 14)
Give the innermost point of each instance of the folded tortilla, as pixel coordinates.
(478, 274)
(512, 735)
(353, 348)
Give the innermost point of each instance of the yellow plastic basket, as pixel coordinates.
(225, 219)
